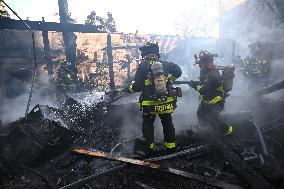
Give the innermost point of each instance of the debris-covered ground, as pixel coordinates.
(93, 139)
(36, 151)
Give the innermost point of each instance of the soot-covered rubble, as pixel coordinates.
(36, 151)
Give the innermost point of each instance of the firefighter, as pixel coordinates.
(67, 76)
(153, 79)
(212, 94)
(3, 13)
(66, 82)
(253, 72)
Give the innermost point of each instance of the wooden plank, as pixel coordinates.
(121, 159)
(150, 165)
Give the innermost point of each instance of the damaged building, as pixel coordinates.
(68, 118)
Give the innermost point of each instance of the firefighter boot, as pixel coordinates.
(170, 147)
(149, 150)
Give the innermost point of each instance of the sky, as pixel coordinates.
(146, 16)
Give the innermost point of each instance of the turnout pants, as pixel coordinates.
(209, 115)
(168, 129)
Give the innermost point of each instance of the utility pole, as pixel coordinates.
(69, 38)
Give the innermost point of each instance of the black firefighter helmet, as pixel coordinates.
(149, 48)
(203, 57)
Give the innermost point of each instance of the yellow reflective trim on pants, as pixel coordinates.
(131, 88)
(229, 132)
(255, 71)
(215, 100)
(156, 102)
(170, 145)
(147, 82)
(151, 146)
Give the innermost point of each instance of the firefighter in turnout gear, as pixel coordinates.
(212, 93)
(67, 76)
(257, 71)
(153, 79)
(67, 81)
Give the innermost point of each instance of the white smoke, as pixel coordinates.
(44, 94)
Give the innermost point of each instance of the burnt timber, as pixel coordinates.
(47, 26)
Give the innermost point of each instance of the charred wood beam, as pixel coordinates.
(187, 152)
(69, 38)
(63, 11)
(110, 63)
(270, 89)
(250, 176)
(48, 26)
(47, 54)
(129, 69)
(122, 47)
(273, 124)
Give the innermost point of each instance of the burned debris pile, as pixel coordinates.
(47, 132)
(37, 152)
(93, 138)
